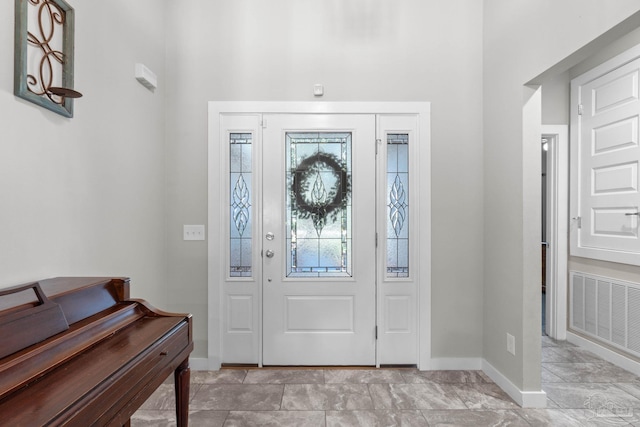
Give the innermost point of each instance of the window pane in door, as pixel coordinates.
(240, 204)
(318, 204)
(398, 205)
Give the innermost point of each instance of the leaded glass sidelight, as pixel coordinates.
(397, 205)
(318, 204)
(240, 227)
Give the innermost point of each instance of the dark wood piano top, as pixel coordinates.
(102, 367)
(130, 353)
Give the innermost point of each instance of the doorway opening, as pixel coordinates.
(290, 295)
(543, 245)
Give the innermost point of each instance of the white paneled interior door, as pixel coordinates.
(319, 274)
(605, 159)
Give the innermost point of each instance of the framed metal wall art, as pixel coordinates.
(44, 49)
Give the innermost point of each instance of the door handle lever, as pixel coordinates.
(633, 214)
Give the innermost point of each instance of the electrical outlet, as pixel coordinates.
(511, 344)
(193, 232)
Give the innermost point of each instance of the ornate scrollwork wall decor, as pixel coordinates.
(44, 49)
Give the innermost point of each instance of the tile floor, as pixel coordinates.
(582, 390)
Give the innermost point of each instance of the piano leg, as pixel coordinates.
(182, 376)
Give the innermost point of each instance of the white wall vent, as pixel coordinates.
(606, 309)
(146, 77)
(633, 319)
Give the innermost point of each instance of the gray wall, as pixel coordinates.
(522, 39)
(85, 196)
(411, 50)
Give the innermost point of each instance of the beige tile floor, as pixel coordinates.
(582, 390)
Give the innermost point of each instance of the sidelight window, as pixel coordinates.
(398, 205)
(240, 204)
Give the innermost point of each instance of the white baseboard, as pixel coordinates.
(526, 399)
(608, 355)
(456, 363)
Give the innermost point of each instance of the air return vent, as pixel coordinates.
(606, 309)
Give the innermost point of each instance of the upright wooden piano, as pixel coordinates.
(80, 352)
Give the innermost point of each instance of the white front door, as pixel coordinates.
(319, 242)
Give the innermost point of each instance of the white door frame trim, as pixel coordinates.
(557, 229)
(216, 211)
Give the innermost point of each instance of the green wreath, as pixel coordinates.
(338, 194)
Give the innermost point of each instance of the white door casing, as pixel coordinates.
(236, 303)
(605, 155)
(557, 218)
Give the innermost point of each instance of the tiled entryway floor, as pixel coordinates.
(581, 389)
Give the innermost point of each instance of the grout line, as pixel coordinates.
(284, 387)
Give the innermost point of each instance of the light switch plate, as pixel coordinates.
(511, 344)
(193, 232)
